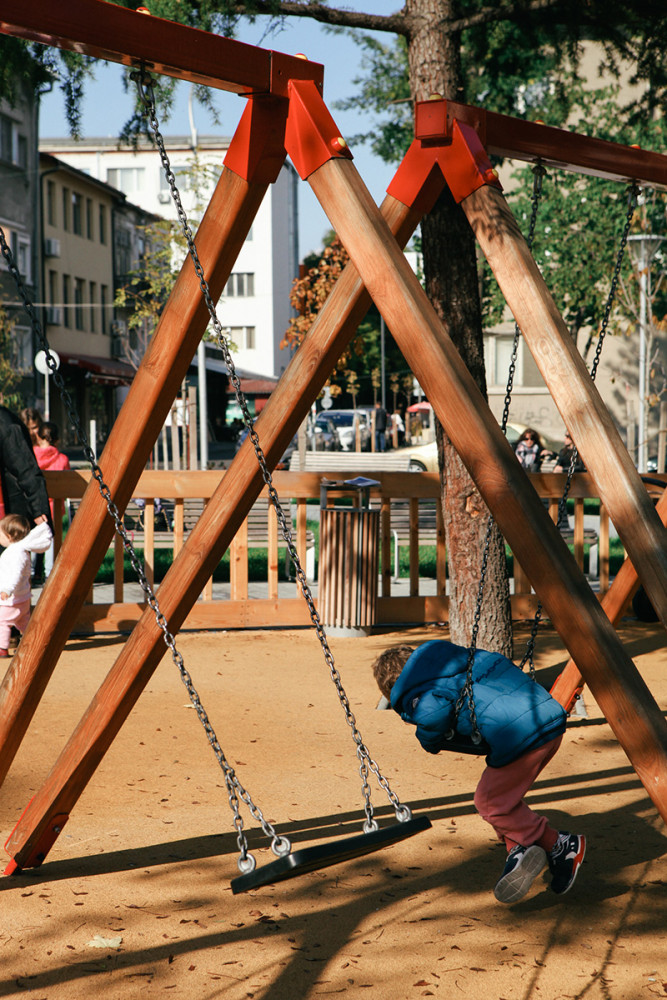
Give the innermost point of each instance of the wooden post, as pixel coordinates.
(621, 692)
(564, 372)
(570, 682)
(221, 235)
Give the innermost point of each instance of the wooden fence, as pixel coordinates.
(409, 516)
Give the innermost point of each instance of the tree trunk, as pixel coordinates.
(450, 271)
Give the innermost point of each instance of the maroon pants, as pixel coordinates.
(499, 799)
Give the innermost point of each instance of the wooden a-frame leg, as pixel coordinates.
(574, 393)
(586, 631)
(287, 406)
(220, 237)
(614, 602)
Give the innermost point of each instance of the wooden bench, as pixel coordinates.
(350, 461)
(408, 517)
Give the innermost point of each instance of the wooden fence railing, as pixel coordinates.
(410, 515)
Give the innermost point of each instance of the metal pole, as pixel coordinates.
(642, 451)
(383, 390)
(203, 406)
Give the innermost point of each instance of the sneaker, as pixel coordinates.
(565, 860)
(522, 867)
(4, 652)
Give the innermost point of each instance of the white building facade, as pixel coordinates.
(254, 308)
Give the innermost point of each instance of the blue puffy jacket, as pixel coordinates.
(514, 714)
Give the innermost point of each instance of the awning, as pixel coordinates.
(104, 371)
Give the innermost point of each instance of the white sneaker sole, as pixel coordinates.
(516, 884)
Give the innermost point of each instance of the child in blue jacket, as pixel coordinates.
(523, 726)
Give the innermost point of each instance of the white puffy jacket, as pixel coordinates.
(15, 564)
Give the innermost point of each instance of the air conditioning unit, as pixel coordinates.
(53, 315)
(117, 346)
(118, 327)
(164, 197)
(51, 248)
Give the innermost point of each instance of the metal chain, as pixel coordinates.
(145, 87)
(632, 195)
(235, 790)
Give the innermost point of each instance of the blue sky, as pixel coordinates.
(107, 106)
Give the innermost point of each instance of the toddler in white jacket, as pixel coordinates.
(19, 541)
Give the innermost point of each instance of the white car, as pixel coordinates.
(424, 457)
(344, 422)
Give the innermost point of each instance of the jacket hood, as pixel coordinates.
(38, 540)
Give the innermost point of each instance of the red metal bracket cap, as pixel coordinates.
(418, 181)
(465, 163)
(312, 136)
(257, 150)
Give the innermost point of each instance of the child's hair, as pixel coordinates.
(49, 432)
(388, 666)
(15, 526)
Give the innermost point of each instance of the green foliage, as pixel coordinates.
(9, 379)
(580, 220)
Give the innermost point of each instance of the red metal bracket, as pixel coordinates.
(48, 838)
(312, 136)
(444, 150)
(257, 150)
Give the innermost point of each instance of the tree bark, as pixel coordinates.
(450, 271)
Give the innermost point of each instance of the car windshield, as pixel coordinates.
(344, 419)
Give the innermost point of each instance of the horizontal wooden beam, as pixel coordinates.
(107, 31)
(502, 135)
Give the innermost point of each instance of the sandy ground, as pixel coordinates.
(134, 899)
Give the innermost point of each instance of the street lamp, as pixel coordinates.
(643, 248)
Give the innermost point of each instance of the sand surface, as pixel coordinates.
(134, 898)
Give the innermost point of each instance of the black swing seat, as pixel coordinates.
(310, 859)
(465, 744)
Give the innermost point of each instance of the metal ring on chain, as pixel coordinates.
(281, 846)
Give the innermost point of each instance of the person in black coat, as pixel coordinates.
(21, 481)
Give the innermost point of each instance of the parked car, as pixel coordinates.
(344, 422)
(424, 457)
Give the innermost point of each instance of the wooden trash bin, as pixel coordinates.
(349, 557)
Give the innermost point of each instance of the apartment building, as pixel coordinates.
(18, 199)
(87, 239)
(254, 309)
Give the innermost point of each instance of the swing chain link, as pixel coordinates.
(632, 196)
(366, 762)
(235, 790)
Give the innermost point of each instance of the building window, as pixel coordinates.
(53, 313)
(51, 203)
(240, 285)
(23, 259)
(6, 143)
(89, 218)
(103, 224)
(22, 353)
(243, 337)
(497, 358)
(104, 299)
(129, 180)
(77, 214)
(67, 295)
(22, 152)
(92, 298)
(79, 293)
(67, 195)
(13, 146)
(20, 248)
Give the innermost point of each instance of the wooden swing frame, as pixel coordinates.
(286, 115)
